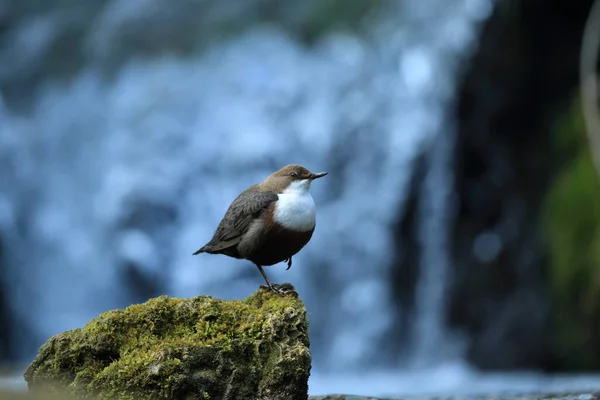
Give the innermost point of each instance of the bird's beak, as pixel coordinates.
(318, 175)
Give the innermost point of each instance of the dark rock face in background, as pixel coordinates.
(406, 272)
(523, 76)
(520, 81)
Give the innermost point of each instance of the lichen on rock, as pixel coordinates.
(170, 348)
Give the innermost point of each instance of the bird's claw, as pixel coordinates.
(280, 289)
(289, 263)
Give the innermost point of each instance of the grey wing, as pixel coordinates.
(244, 209)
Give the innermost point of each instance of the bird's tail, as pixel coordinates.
(202, 249)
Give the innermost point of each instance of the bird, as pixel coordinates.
(269, 222)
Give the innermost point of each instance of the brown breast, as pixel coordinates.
(280, 243)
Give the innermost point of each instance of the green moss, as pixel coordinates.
(198, 348)
(572, 224)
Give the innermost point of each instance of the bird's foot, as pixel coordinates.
(289, 263)
(284, 288)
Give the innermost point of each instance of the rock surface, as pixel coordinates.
(170, 348)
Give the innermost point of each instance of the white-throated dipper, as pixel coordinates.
(269, 222)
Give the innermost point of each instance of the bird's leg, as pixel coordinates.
(289, 263)
(262, 271)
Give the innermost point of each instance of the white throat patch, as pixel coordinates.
(296, 208)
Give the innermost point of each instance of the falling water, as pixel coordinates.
(110, 185)
(429, 330)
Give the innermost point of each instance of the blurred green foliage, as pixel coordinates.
(572, 225)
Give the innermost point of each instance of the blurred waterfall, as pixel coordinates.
(110, 182)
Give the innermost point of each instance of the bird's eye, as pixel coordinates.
(294, 174)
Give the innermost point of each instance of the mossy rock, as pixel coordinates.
(171, 348)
